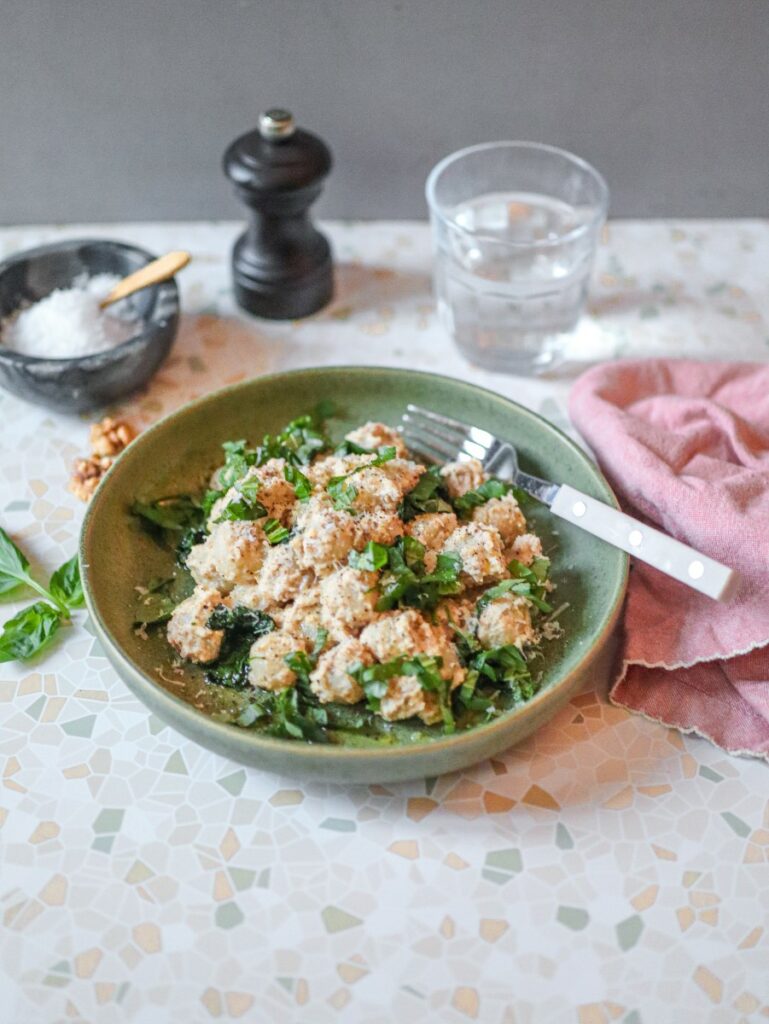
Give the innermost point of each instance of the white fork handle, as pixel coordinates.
(664, 553)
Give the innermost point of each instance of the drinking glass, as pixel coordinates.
(515, 227)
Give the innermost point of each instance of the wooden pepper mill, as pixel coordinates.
(281, 265)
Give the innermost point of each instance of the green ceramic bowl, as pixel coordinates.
(175, 454)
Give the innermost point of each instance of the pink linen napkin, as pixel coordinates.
(685, 445)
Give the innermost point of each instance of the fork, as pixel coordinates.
(440, 438)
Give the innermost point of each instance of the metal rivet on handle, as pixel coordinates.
(579, 509)
(696, 569)
(635, 537)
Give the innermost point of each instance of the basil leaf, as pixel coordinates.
(428, 495)
(522, 572)
(65, 586)
(342, 494)
(374, 680)
(194, 535)
(275, 533)
(177, 512)
(241, 627)
(299, 441)
(242, 510)
(406, 583)
(247, 506)
(293, 721)
(14, 570)
(347, 447)
(208, 501)
(371, 559)
(155, 608)
(297, 479)
(528, 582)
(237, 461)
(384, 454)
(301, 663)
(13, 564)
(29, 631)
(465, 503)
(447, 569)
(505, 667)
(157, 604)
(520, 587)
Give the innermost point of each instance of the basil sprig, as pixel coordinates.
(31, 629)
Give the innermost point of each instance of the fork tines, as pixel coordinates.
(440, 438)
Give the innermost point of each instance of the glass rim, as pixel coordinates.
(596, 220)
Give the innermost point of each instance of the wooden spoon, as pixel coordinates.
(161, 269)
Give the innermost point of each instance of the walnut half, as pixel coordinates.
(110, 436)
(86, 475)
(108, 439)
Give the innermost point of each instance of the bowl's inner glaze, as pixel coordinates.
(176, 456)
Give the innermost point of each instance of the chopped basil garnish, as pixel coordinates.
(371, 559)
(526, 582)
(274, 532)
(247, 506)
(465, 503)
(297, 479)
(374, 680)
(301, 663)
(428, 495)
(406, 582)
(342, 492)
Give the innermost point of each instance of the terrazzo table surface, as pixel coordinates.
(608, 869)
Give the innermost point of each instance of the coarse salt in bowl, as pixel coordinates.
(95, 378)
(69, 322)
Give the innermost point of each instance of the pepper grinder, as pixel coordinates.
(281, 265)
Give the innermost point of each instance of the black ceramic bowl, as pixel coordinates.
(86, 382)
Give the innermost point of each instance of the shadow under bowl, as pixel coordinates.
(85, 382)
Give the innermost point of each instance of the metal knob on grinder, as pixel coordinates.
(281, 265)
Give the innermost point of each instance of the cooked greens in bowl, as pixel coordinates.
(333, 589)
(150, 537)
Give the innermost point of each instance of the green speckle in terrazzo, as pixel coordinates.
(228, 915)
(575, 918)
(337, 920)
(629, 932)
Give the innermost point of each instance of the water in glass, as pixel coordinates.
(511, 275)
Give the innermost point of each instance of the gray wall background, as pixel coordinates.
(120, 110)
